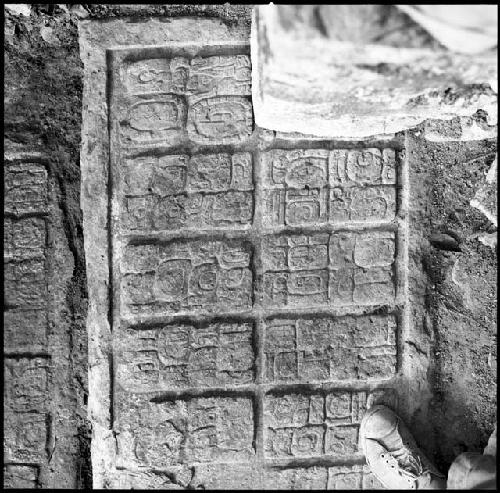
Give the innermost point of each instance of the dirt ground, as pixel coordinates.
(461, 294)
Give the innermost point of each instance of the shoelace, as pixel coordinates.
(409, 466)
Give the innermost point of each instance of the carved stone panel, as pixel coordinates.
(181, 191)
(25, 188)
(317, 186)
(317, 424)
(25, 437)
(204, 429)
(349, 268)
(250, 274)
(199, 275)
(182, 356)
(324, 349)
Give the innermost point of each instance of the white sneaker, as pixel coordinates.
(392, 454)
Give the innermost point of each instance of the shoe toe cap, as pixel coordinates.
(379, 422)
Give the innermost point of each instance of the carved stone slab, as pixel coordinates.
(337, 269)
(185, 355)
(308, 187)
(323, 349)
(192, 430)
(312, 425)
(250, 287)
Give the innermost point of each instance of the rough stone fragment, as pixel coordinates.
(25, 188)
(180, 356)
(323, 349)
(187, 276)
(189, 430)
(16, 476)
(25, 283)
(25, 330)
(486, 197)
(24, 238)
(19, 8)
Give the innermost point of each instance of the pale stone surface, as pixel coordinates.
(486, 197)
(345, 88)
(18, 8)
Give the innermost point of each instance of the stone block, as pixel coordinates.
(17, 477)
(349, 268)
(182, 355)
(220, 75)
(178, 191)
(25, 283)
(187, 430)
(156, 75)
(220, 120)
(362, 167)
(25, 330)
(217, 75)
(153, 120)
(25, 188)
(317, 424)
(25, 437)
(26, 383)
(180, 276)
(317, 186)
(356, 477)
(322, 349)
(24, 238)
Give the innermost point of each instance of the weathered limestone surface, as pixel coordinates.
(44, 427)
(348, 79)
(257, 281)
